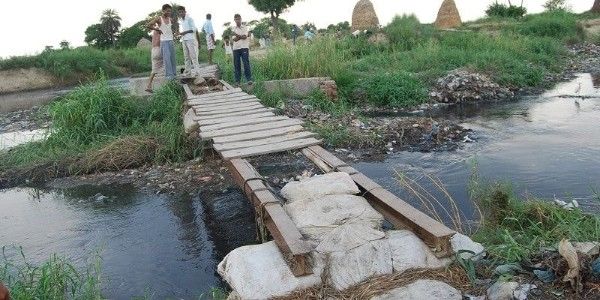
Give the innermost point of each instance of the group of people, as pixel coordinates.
(163, 45)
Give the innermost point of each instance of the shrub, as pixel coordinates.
(556, 24)
(406, 32)
(395, 89)
(505, 11)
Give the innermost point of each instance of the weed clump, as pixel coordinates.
(406, 32)
(395, 89)
(557, 24)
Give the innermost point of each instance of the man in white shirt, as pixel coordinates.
(241, 51)
(187, 29)
(210, 37)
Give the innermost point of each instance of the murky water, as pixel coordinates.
(546, 147)
(11, 139)
(149, 245)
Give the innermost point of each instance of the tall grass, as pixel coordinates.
(558, 24)
(55, 278)
(98, 127)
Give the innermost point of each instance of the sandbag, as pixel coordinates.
(318, 186)
(260, 272)
(460, 242)
(409, 252)
(347, 237)
(315, 218)
(422, 289)
(348, 268)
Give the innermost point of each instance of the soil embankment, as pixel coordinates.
(19, 80)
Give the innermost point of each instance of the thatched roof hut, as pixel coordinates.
(448, 16)
(144, 43)
(364, 16)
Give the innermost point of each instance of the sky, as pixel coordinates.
(38, 23)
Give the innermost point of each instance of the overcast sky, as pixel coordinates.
(30, 25)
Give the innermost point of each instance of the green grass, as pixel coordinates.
(97, 127)
(515, 229)
(55, 278)
(83, 63)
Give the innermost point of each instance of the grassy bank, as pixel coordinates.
(100, 128)
(83, 63)
(399, 69)
(55, 278)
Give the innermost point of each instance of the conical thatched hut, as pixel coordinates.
(144, 43)
(364, 16)
(448, 16)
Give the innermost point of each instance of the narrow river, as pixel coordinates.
(161, 246)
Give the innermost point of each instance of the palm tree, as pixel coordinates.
(111, 23)
(596, 7)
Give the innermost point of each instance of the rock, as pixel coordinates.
(348, 237)
(546, 276)
(364, 16)
(260, 272)
(502, 290)
(422, 289)
(144, 43)
(199, 80)
(337, 183)
(522, 292)
(587, 248)
(315, 218)
(348, 268)
(409, 252)
(448, 16)
(462, 85)
(462, 242)
(189, 124)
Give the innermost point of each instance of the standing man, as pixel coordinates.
(157, 60)
(189, 42)
(210, 37)
(162, 24)
(241, 51)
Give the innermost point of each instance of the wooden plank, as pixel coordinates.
(218, 99)
(248, 129)
(394, 209)
(226, 108)
(210, 105)
(188, 91)
(227, 111)
(270, 148)
(287, 237)
(221, 100)
(265, 141)
(222, 93)
(242, 122)
(226, 85)
(233, 114)
(257, 135)
(202, 122)
(212, 96)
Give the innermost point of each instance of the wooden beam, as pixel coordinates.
(265, 141)
(286, 235)
(398, 212)
(270, 148)
(216, 94)
(203, 122)
(241, 122)
(257, 135)
(221, 100)
(226, 85)
(233, 114)
(248, 129)
(188, 91)
(218, 105)
(225, 106)
(227, 110)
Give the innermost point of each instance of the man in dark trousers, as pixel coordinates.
(241, 51)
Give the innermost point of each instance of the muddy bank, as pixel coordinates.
(37, 117)
(20, 80)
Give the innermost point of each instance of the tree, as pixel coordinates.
(552, 5)
(272, 7)
(110, 23)
(129, 37)
(65, 45)
(96, 37)
(596, 7)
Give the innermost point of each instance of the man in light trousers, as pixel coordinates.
(189, 42)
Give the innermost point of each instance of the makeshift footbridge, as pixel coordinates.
(238, 126)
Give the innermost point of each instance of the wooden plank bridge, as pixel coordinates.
(238, 126)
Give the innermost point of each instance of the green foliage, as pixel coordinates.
(65, 45)
(514, 229)
(104, 34)
(394, 89)
(556, 24)
(55, 278)
(552, 5)
(505, 11)
(406, 32)
(272, 7)
(129, 37)
(82, 63)
(96, 37)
